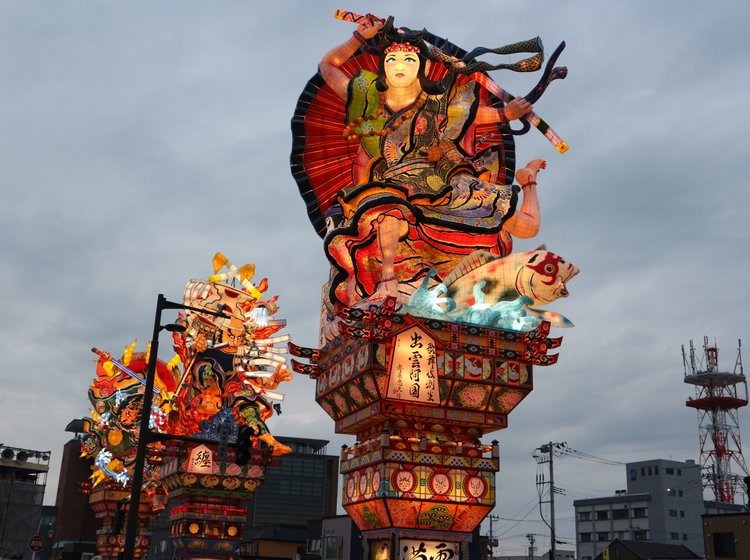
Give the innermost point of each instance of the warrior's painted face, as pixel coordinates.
(401, 68)
(233, 335)
(129, 414)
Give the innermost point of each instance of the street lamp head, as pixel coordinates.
(174, 327)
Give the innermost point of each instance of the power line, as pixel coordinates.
(529, 512)
(564, 451)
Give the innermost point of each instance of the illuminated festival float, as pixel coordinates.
(204, 455)
(430, 327)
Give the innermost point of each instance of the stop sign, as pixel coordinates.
(36, 543)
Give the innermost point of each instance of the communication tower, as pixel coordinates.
(718, 398)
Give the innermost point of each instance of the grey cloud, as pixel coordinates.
(137, 140)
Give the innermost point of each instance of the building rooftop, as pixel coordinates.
(18, 461)
(617, 499)
(655, 551)
(728, 514)
(304, 445)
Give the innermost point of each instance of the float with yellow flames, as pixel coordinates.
(211, 403)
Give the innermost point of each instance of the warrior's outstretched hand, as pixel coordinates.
(281, 374)
(369, 31)
(517, 108)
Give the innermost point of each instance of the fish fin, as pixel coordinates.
(554, 319)
(542, 247)
(469, 263)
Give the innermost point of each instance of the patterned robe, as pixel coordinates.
(424, 171)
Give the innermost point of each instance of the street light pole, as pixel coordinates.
(145, 436)
(143, 433)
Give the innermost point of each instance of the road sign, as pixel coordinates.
(36, 543)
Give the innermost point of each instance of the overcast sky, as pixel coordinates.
(139, 138)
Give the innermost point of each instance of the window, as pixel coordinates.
(584, 537)
(643, 471)
(674, 536)
(650, 472)
(584, 516)
(679, 472)
(620, 513)
(602, 536)
(639, 513)
(331, 545)
(682, 513)
(724, 545)
(671, 492)
(672, 513)
(656, 470)
(602, 515)
(684, 536)
(679, 493)
(670, 470)
(313, 546)
(640, 535)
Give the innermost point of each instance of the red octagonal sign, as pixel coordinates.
(36, 543)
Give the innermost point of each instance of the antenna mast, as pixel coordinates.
(718, 397)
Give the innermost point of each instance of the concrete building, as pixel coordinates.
(23, 476)
(75, 527)
(303, 486)
(334, 538)
(663, 503)
(47, 531)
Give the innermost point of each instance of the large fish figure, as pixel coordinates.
(539, 275)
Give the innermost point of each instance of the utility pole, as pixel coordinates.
(532, 540)
(492, 518)
(549, 450)
(552, 547)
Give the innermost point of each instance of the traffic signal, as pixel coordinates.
(244, 447)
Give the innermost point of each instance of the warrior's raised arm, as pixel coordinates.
(333, 59)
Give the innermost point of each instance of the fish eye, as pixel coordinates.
(549, 269)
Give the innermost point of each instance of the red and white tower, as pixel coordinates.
(718, 398)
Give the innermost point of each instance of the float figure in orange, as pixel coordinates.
(218, 385)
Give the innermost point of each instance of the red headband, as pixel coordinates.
(403, 47)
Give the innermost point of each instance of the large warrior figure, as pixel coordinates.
(431, 179)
